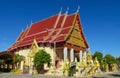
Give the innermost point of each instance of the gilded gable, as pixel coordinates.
(76, 37)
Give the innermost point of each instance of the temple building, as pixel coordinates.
(60, 35)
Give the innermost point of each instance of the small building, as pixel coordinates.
(60, 35)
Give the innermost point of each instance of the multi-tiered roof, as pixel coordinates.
(53, 29)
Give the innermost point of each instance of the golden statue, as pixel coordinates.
(90, 64)
(51, 68)
(96, 62)
(83, 65)
(107, 68)
(66, 67)
(97, 66)
(89, 55)
(114, 67)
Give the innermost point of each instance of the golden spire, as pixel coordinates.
(89, 55)
(88, 50)
(96, 59)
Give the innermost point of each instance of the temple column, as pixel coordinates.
(21, 65)
(85, 55)
(65, 53)
(71, 55)
(80, 55)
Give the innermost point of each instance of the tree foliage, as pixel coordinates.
(109, 59)
(99, 56)
(41, 57)
(1, 62)
(18, 58)
(118, 60)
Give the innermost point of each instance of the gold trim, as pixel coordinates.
(72, 26)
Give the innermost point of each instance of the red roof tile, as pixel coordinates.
(69, 20)
(60, 21)
(43, 28)
(43, 25)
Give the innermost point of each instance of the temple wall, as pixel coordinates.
(50, 51)
(25, 52)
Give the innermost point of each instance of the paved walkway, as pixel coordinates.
(11, 75)
(108, 75)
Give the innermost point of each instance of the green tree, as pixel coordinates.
(18, 59)
(99, 56)
(118, 61)
(1, 62)
(109, 59)
(41, 57)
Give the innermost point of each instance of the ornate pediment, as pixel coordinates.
(34, 48)
(76, 37)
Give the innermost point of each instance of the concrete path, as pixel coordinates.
(11, 75)
(108, 75)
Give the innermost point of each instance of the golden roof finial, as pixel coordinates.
(60, 11)
(22, 30)
(31, 22)
(78, 9)
(27, 26)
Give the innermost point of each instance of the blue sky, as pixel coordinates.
(100, 20)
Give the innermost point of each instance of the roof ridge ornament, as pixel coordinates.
(27, 26)
(31, 22)
(22, 30)
(67, 10)
(60, 11)
(78, 9)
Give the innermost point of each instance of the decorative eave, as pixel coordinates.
(80, 25)
(70, 31)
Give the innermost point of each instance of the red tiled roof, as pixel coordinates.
(43, 25)
(20, 36)
(69, 20)
(43, 28)
(60, 21)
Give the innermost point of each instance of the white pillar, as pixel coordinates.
(80, 54)
(54, 53)
(65, 53)
(21, 65)
(71, 55)
(85, 55)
